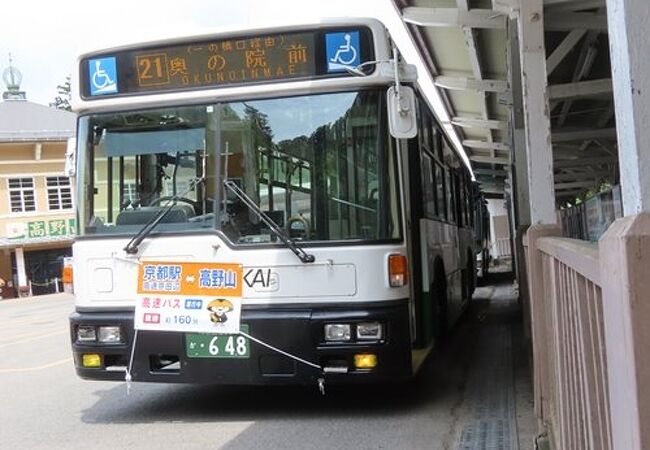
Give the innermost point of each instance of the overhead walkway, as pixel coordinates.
(549, 100)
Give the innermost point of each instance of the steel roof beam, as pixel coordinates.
(566, 21)
(486, 145)
(572, 193)
(467, 122)
(572, 5)
(492, 185)
(562, 50)
(452, 17)
(580, 89)
(489, 159)
(469, 84)
(477, 69)
(583, 162)
(491, 172)
(577, 176)
(579, 135)
(575, 184)
(582, 68)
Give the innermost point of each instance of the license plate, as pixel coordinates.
(217, 345)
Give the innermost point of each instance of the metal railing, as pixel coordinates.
(501, 248)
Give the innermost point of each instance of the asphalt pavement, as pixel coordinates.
(448, 406)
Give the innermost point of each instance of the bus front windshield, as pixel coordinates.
(319, 166)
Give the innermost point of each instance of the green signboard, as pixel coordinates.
(39, 229)
(36, 229)
(56, 227)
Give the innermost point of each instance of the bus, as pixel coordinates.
(268, 206)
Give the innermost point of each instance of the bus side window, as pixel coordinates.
(450, 196)
(425, 127)
(460, 201)
(466, 199)
(438, 144)
(440, 191)
(428, 187)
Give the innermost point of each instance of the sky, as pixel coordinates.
(45, 37)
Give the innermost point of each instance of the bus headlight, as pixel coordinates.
(370, 331)
(337, 332)
(109, 335)
(86, 333)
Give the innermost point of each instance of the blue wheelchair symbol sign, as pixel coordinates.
(342, 50)
(102, 74)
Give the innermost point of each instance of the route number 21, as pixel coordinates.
(152, 70)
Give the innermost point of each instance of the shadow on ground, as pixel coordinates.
(441, 379)
(434, 407)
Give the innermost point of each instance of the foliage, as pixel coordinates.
(62, 101)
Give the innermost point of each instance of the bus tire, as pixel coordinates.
(485, 262)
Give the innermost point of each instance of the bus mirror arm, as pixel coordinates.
(402, 119)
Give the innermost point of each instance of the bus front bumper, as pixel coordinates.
(165, 356)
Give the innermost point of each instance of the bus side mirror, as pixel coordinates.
(402, 119)
(71, 157)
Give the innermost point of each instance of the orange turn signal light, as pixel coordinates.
(67, 274)
(397, 270)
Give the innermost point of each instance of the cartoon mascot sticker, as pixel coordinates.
(219, 309)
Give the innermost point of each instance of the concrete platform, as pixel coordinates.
(498, 402)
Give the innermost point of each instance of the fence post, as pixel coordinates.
(520, 264)
(538, 300)
(625, 280)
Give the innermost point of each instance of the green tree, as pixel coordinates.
(62, 101)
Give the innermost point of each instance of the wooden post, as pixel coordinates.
(629, 50)
(538, 307)
(625, 267)
(536, 112)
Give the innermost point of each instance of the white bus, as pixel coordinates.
(270, 206)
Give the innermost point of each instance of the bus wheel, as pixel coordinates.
(485, 262)
(440, 319)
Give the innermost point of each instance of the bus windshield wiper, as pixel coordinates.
(279, 232)
(132, 247)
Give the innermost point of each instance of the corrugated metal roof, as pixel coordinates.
(21, 120)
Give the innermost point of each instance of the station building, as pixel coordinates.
(37, 220)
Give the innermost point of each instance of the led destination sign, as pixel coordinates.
(219, 62)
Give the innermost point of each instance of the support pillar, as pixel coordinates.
(629, 50)
(520, 210)
(519, 169)
(539, 151)
(20, 269)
